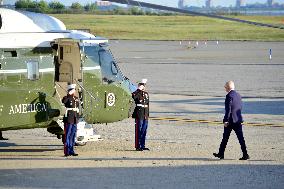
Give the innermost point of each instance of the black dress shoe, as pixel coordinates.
(218, 156)
(74, 154)
(66, 155)
(139, 149)
(1, 138)
(244, 157)
(146, 149)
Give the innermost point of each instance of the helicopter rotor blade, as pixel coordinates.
(172, 9)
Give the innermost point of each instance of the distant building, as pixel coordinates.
(181, 4)
(1, 2)
(270, 3)
(184, 4)
(103, 3)
(240, 3)
(208, 4)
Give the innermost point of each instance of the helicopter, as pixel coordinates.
(39, 57)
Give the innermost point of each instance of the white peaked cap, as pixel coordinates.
(144, 81)
(71, 86)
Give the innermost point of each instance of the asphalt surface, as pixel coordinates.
(184, 82)
(186, 78)
(180, 156)
(189, 69)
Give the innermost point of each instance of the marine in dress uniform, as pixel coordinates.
(141, 115)
(70, 120)
(232, 121)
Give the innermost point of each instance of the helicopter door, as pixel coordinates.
(65, 72)
(67, 64)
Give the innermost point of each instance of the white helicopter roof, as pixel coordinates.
(24, 21)
(23, 29)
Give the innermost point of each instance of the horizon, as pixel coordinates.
(171, 3)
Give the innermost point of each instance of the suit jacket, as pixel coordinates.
(71, 117)
(141, 98)
(233, 108)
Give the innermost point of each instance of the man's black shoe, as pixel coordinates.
(146, 149)
(73, 154)
(66, 155)
(1, 138)
(244, 157)
(218, 156)
(139, 149)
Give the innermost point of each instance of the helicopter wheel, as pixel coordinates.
(80, 143)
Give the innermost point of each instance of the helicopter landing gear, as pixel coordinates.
(84, 134)
(1, 137)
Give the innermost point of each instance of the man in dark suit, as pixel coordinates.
(232, 121)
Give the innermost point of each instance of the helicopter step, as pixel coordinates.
(85, 133)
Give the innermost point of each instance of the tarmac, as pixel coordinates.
(202, 70)
(185, 82)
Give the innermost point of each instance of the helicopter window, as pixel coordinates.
(91, 53)
(102, 57)
(10, 53)
(114, 68)
(109, 68)
(61, 53)
(33, 70)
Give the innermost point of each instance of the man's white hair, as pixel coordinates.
(230, 85)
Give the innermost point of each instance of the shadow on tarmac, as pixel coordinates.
(28, 150)
(39, 158)
(264, 107)
(268, 107)
(112, 159)
(42, 148)
(183, 177)
(8, 144)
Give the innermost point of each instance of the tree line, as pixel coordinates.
(53, 7)
(57, 8)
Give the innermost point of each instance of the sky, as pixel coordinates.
(173, 3)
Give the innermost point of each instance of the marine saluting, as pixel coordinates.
(141, 115)
(70, 120)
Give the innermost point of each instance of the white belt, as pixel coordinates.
(141, 105)
(71, 109)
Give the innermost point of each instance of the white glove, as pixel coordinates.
(141, 87)
(71, 92)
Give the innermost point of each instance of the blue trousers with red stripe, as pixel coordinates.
(141, 126)
(70, 134)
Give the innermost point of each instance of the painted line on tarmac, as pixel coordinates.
(211, 122)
